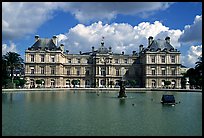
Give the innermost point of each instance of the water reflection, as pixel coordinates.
(84, 113)
(122, 101)
(42, 97)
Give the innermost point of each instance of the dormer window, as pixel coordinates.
(69, 60)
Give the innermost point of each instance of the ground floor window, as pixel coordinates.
(102, 82)
(163, 83)
(153, 84)
(52, 83)
(32, 83)
(43, 83)
(173, 83)
(87, 83)
(67, 83)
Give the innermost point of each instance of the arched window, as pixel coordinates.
(52, 83)
(32, 83)
(163, 83)
(153, 84)
(173, 83)
(43, 83)
(87, 83)
(67, 83)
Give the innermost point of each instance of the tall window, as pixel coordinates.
(117, 72)
(103, 71)
(125, 61)
(32, 58)
(43, 82)
(32, 83)
(173, 83)
(78, 71)
(52, 70)
(102, 82)
(52, 58)
(163, 71)
(68, 71)
(67, 83)
(162, 82)
(78, 60)
(153, 71)
(42, 58)
(42, 70)
(172, 59)
(153, 83)
(32, 70)
(173, 71)
(87, 72)
(116, 60)
(52, 83)
(153, 59)
(163, 59)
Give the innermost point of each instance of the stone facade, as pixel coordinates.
(56, 67)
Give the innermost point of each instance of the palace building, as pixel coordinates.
(47, 61)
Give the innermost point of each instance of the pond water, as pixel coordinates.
(100, 114)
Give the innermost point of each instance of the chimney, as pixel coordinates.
(92, 49)
(54, 39)
(123, 53)
(36, 37)
(167, 39)
(62, 47)
(141, 47)
(150, 40)
(80, 52)
(110, 49)
(133, 52)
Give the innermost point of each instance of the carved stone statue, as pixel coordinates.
(122, 93)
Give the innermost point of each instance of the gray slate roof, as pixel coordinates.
(44, 43)
(160, 44)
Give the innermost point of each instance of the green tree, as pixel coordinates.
(132, 83)
(13, 61)
(198, 73)
(38, 82)
(199, 63)
(5, 74)
(75, 82)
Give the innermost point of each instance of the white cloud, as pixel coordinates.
(120, 36)
(94, 11)
(193, 53)
(8, 48)
(193, 33)
(22, 18)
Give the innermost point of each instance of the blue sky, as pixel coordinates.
(125, 26)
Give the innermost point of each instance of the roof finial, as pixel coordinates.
(102, 42)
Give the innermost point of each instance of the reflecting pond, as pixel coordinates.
(100, 114)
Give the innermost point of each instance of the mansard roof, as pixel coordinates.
(160, 44)
(44, 44)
